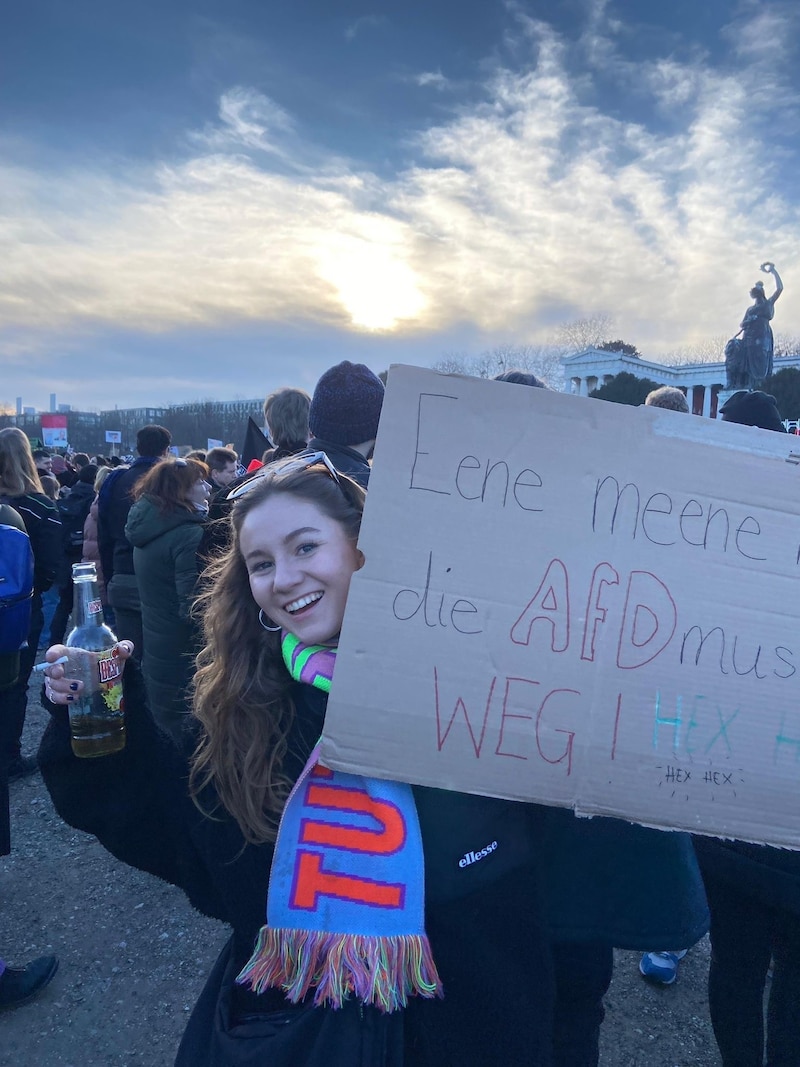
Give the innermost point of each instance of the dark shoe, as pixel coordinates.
(19, 986)
(22, 767)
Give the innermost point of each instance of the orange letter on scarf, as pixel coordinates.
(311, 882)
(388, 839)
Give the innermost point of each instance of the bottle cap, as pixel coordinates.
(84, 572)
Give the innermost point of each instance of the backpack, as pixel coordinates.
(16, 583)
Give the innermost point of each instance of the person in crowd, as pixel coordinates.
(754, 896)
(50, 486)
(286, 419)
(165, 528)
(520, 377)
(223, 467)
(79, 461)
(667, 396)
(20, 486)
(73, 511)
(63, 471)
(116, 552)
(754, 408)
(17, 985)
(51, 490)
(223, 464)
(91, 548)
(343, 417)
(43, 461)
(198, 454)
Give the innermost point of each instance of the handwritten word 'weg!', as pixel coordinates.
(554, 718)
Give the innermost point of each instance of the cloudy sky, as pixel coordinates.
(208, 199)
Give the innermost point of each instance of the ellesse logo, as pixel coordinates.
(475, 857)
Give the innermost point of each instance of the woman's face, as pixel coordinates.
(300, 563)
(198, 494)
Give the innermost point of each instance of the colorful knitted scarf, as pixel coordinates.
(346, 902)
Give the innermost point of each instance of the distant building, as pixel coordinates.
(701, 382)
(190, 424)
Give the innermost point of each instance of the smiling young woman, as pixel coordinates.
(241, 693)
(405, 926)
(370, 911)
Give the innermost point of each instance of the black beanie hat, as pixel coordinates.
(346, 404)
(753, 409)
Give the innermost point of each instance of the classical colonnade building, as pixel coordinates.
(701, 382)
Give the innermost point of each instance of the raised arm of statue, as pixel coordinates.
(769, 268)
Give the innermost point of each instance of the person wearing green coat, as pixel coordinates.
(165, 527)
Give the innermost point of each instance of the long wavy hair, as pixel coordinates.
(18, 474)
(242, 690)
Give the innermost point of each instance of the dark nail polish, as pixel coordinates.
(73, 686)
(70, 696)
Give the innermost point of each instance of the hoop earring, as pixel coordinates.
(261, 617)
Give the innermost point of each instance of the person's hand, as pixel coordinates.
(768, 267)
(59, 686)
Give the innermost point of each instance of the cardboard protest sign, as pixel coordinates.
(577, 603)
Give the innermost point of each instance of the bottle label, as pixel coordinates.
(94, 607)
(109, 668)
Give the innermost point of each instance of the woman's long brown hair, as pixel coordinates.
(242, 690)
(18, 473)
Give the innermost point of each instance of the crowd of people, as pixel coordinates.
(226, 589)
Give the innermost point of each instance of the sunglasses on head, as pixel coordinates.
(286, 466)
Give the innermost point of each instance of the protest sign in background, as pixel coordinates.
(54, 431)
(577, 603)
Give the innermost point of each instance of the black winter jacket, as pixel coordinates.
(40, 515)
(483, 920)
(769, 875)
(73, 510)
(113, 504)
(345, 460)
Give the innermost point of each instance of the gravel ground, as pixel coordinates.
(133, 958)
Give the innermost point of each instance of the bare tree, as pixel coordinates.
(786, 345)
(542, 360)
(706, 350)
(453, 363)
(585, 333)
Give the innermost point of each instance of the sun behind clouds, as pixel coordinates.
(375, 286)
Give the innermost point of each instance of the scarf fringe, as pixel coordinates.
(381, 971)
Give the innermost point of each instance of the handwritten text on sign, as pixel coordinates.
(577, 603)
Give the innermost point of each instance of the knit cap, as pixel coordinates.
(753, 409)
(346, 404)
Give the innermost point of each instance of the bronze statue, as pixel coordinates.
(748, 359)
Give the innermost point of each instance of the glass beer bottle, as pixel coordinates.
(96, 718)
